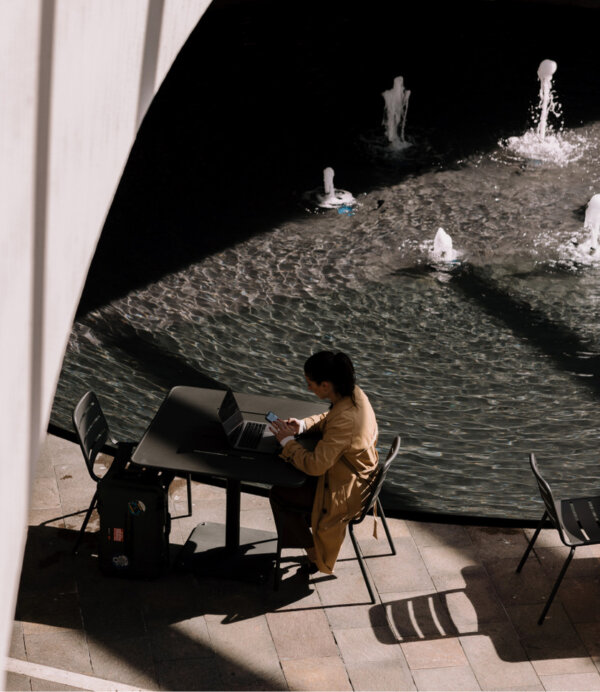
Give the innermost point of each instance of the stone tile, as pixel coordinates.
(52, 517)
(347, 588)
(368, 644)
(380, 675)
(474, 605)
(547, 538)
(56, 450)
(498, 542)
(246, 644)
(418, 615)
(302, 634)
(17, 683)
(250, 502)
(49, 686)
(353, 616)
(498, 660)
(531, 585)
(580, 597)
(434, 653)
(48, 560)
(553, 647)
(450, 561)
(118, 613)
(128, 661)
(459, 678)
(258, 519)
(44, 494)
(574, 665)
(17, 642)
(404, 571)
(47, 613)
(75, 486)
(398, 529)
(66, 650)
(433, 535)
(553, 558)
(181, 640)
(199, 674)
(574, 681)
(589, 633)
(316, 674)
(235, 677)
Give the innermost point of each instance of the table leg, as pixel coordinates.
(227, 551)
(232, 514)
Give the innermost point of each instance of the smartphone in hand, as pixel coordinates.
(270, 416)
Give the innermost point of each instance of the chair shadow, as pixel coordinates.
(512, 628)
(154, 629)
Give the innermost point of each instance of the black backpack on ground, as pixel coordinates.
(134, 524)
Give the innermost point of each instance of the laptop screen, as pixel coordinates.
(230, 414)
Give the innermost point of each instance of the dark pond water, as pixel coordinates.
(212, 269)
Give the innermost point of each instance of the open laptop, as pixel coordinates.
(246, 430)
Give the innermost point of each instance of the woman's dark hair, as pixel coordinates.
(337, 368)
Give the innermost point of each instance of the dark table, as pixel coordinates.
(185, 436)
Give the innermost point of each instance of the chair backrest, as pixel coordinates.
(91, 429)
(379, 479)
(546, 493)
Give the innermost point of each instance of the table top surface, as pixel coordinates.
(186, 436)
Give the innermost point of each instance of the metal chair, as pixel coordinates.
(576, 520)
(93, 435)
(370, 502)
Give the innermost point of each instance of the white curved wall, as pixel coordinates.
(76, 77)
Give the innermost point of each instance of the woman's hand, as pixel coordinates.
(284, 428)
(293, 423)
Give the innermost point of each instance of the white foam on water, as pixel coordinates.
(553, 148)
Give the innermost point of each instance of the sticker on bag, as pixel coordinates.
(120, 561)
(136, 507)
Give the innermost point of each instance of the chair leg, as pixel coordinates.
(385, 527)
(531, 542)
(189, 494)
(85, 522)
(556, 585)
(361, 563)
(277, 574)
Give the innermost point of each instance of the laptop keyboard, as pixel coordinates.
(252, 435)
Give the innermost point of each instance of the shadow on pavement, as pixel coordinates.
(153, 630)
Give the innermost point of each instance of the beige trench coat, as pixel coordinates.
(348, 431)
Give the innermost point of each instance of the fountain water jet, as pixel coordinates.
(330, 197)
(591, 224)
(443, 250)
(547, 104)
(394, 114)
(541, 144)
(592, 220)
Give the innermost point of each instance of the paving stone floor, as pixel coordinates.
(451, 613)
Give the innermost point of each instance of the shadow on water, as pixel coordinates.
(567, 350)
(264, 95)
(163, 367)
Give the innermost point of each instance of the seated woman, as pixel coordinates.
(340, 467)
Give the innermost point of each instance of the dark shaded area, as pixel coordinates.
(134, 620)
(438, 615)
(165, 368)
(265, 94)
(568, 350)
